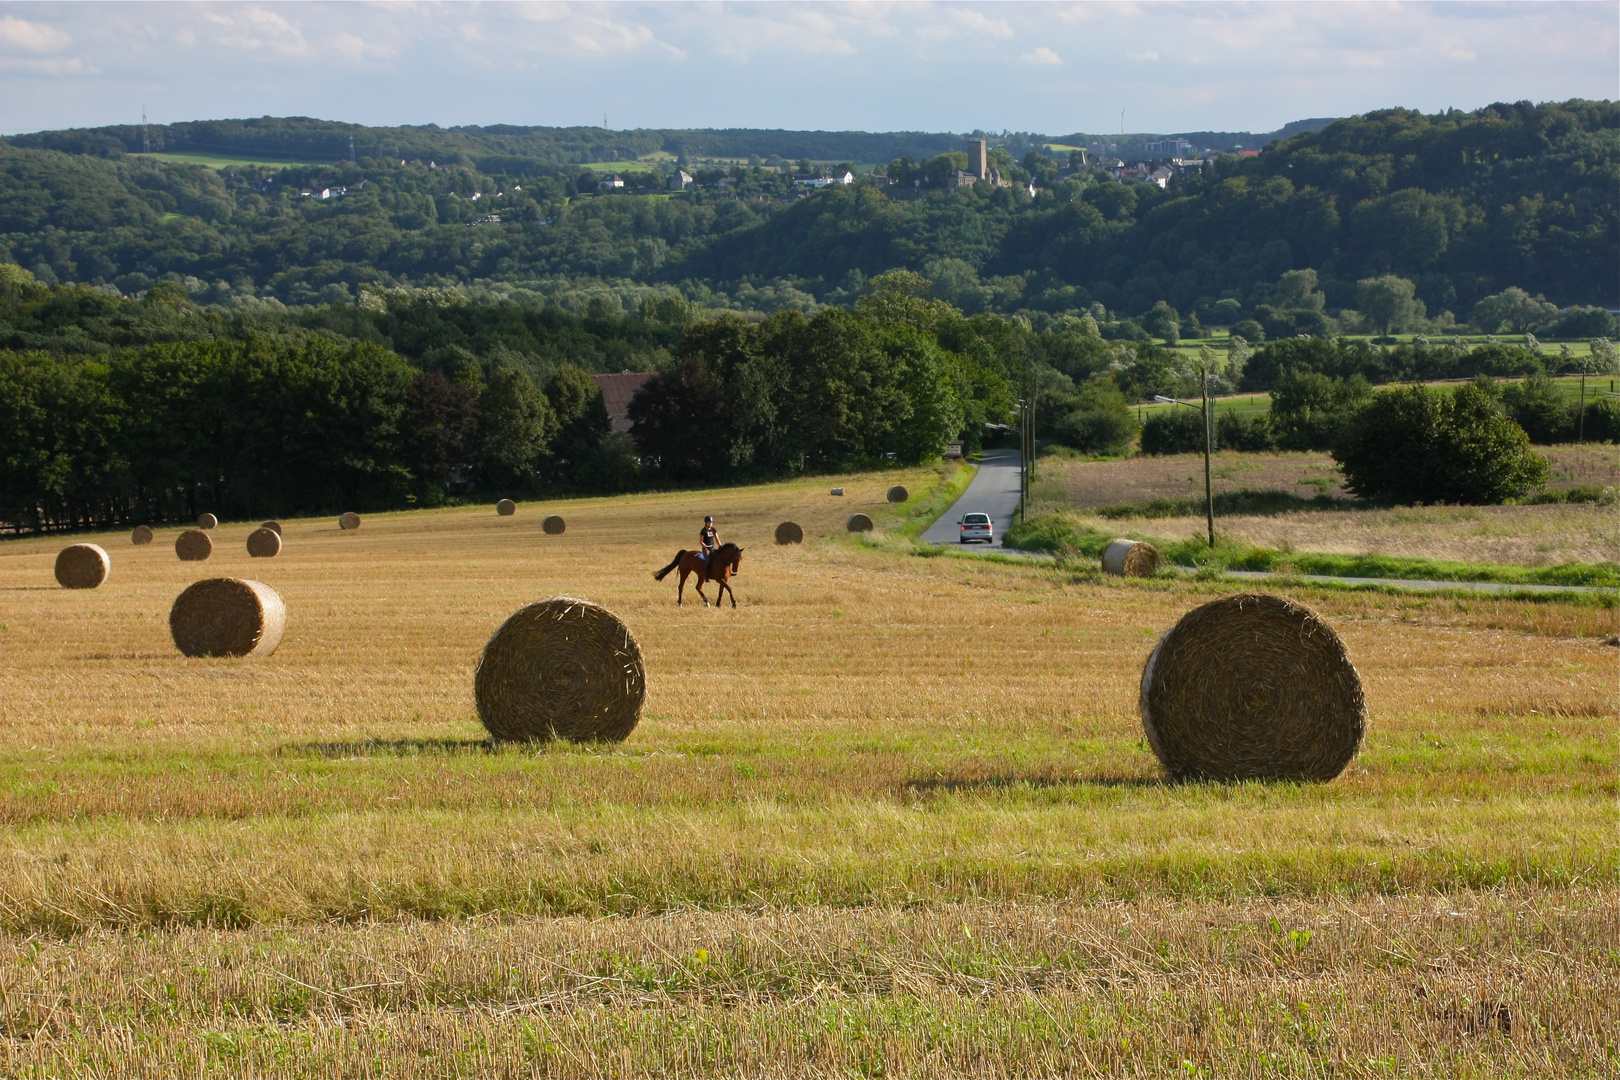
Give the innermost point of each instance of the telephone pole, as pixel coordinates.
(146, 134)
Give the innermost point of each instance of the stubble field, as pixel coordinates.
(891, 816)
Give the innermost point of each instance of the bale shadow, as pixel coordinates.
(30, 588)
(388, 748)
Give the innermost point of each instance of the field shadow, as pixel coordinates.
(30, 588)
(956, 785)
(127, 656)
(387, 748)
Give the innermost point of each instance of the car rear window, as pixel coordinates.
(976, 519)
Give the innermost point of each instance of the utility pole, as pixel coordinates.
(1207, 407)
(1209, 444)
(146, 133)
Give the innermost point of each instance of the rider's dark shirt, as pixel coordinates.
(709, 537)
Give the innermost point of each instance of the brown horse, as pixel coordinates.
(721, 565)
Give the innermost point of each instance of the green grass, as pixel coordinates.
(224, 161)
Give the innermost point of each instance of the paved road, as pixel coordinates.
(994, 491)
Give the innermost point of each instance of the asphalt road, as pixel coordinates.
(994, 491)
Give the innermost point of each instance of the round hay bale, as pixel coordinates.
(207, 521)
(193, 545)
(264, 543)
(227, 617)
(273, 526)
(561, 668)
(837, 491)
(506, 508)
(142, 535)
(554, 525)
(898, 494)
(1252, 687)
(82, 566)
(858, 523)
(1130, 558)
(789, 533)
(351, 520)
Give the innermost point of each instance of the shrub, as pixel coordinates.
(1413, 445)
(1537, 406)
(1174, 431)
(1602, 421)
(1238, 432)
(1100, 421)
(1309, 410)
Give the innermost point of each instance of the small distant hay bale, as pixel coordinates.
(1130, 558)
(142, 535)
(562, 668)
(506, 508)
(789, 533)
(898, 494)
(228, 617)
(82, 566)
(193, 545)
(837, 491)
(858, 523)
(207, 521)
(264, 543)
(1252, 687)
(351, 520)
(273, 526)
(554, 525)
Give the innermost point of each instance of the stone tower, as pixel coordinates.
(979, 159)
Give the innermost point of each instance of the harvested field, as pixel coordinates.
(846, 838)
(1538, 535)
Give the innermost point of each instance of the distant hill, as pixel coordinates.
(1130, 144)
(493, 148)
(1464, 204)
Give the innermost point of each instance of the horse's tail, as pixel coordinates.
(673, 563)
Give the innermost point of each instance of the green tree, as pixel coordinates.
(1390, 302)
(515, 429)
(1512, 311)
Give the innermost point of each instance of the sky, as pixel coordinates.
(1051, 68)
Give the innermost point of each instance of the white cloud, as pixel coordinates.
(1041, 55)
(1146, 55)
(32, 36)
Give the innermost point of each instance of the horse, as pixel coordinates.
(719, 568)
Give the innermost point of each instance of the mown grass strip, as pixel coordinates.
(1063, 533)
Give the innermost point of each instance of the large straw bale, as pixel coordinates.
(142, 535)
(1252, 687)
(82, 566)
(897, 494)
(273, 526)
(193, 545)
(207, 521)
(264, 543)
(858, 523)
(506, 508)
(562, 668)
(789, 532)
(1130, 558)
(350, 520)
(228, 617)
(554, 525)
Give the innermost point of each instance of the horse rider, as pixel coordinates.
(709, 539)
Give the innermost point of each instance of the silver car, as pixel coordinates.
(976, 527)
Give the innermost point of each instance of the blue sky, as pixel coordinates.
(1052, 68)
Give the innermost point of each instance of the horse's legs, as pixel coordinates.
(700, 590)
(680, 591)
(726, 587)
